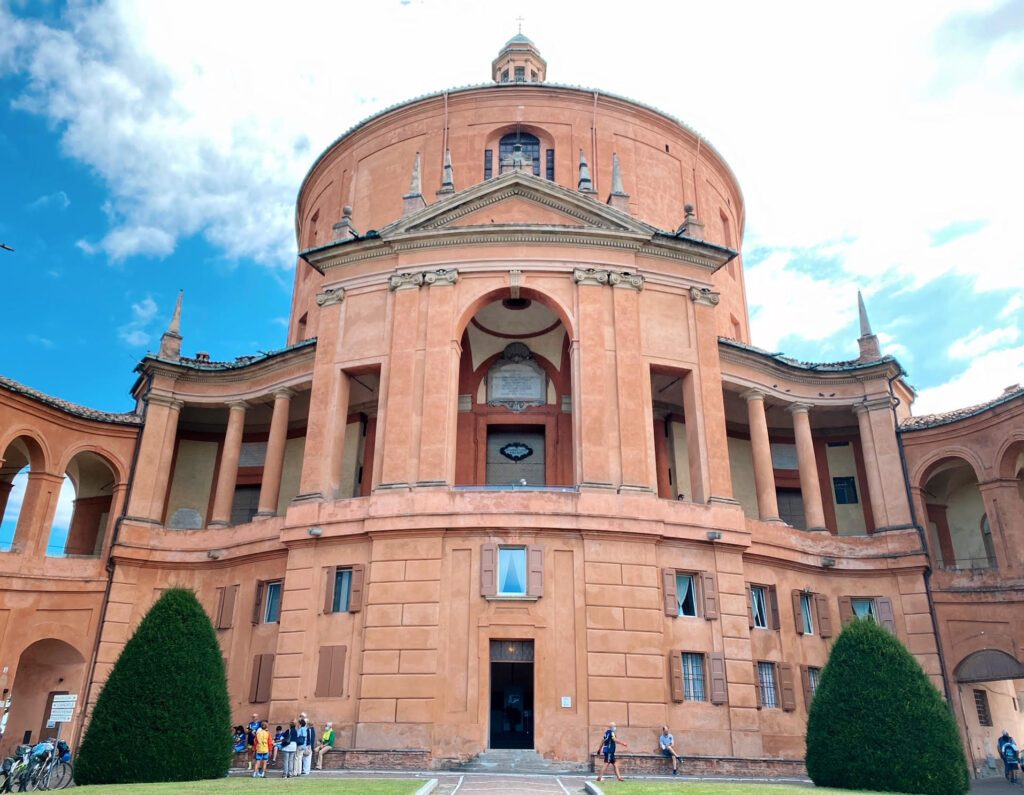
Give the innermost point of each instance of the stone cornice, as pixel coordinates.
(795, 372)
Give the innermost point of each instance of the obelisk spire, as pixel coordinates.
(170, 341)
(869, 348)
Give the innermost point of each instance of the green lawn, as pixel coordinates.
(246, 784)
(628, 787)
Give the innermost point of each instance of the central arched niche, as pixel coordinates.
(515, 403)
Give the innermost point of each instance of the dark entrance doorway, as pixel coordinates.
(511, 694)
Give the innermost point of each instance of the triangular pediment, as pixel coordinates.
(517, 199)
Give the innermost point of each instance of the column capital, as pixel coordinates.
(236, 405)
(799, 408)
(752, 394)
(169, 401)
(442, 276)
(405, 281)
(872, 405)
(704, 295)
(284, 393)
(330, 296)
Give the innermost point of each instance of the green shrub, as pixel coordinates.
(163, 714)
(877, 722)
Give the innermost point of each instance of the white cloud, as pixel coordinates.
(58, 200)
(984, 379)
(42, 342)
(980, 341)
(1013, 306)
(135, 332)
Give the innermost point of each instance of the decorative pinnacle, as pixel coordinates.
(415, 185)
(175, 326)
(865, 325)
(585, 183)
(870, 350)
(617, 176)
(448, 178)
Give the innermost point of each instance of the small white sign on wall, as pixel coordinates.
(566, 702)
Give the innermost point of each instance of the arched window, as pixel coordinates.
(516, 145)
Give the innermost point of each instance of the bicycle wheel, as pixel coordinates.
(60, 776)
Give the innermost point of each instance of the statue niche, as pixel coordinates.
(515, 381)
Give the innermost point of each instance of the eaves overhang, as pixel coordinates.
(250, 364)
(730, 350)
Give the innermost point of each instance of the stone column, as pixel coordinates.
(633, 387)
(227, 475)
(38, 508)
(874, 484)
(810, 488)
(270, 489)
(892, 488)
(764, 469)
(156, 452)
(400, 454)
(5, 493)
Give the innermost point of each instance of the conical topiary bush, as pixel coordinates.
(877, 722)
(163, 714)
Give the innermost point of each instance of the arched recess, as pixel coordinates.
(988, 665)
(46, 668)
(1010, 464)
(959, 529)
(22, 456)
(515, 392)
(84, 506)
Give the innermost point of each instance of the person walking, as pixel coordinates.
(261, 744)
(289, 748)
(326, 744)
(609, 744)
(667, 743)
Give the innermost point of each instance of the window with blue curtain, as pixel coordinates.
(272, 612)
(686, 594)
(512, 571)
(342, 590)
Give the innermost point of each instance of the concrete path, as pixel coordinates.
(497, 784)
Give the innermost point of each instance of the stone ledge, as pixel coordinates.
(632, 764)
(363, 759)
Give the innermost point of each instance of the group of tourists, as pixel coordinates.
(610, 743)
(295, 745)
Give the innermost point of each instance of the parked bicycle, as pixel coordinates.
(45, 766)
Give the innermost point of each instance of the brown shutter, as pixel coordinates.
(355, 595)
(845, 610)
(266, 677)
(757, 686)
(489, 570)
(750, 607)
(675, 672)
(332, 575)
(883, 604)
(719, 689)
(218, 611)
(668, 579)
(710, 596)
(254, 681)
(786, 686)
(535, 571)
(227, 607)
(323, 672)
(258, 603)
(773, 607)
(798, 618)
(337, 683)
(805, 683)
(824, 615)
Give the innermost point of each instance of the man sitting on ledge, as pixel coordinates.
(326, 744)
(666, 741)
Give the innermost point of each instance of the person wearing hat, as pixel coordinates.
(326, 744)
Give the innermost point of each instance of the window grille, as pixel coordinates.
(693, 677)
(766, 680)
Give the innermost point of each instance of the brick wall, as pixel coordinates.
(634, 764)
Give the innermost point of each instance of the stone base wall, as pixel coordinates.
(651, 764)
(361, 759)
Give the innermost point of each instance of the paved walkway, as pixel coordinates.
(495, 784)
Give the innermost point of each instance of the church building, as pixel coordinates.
(520, 469)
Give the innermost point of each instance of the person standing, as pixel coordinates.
(307, 751)
(279, 735)
(667, 743)
(261, 744)
(609, 744)
(250, 737)
(326, 744)
(288, 749)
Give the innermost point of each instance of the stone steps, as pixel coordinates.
(520, 761)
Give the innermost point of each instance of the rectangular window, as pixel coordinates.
(693, 677)
(813, 677)
(272, 608)
(244, 504)
(846, 490)
(981, 703)
(504, 76)
(686, 594)
(512, 571)
(806, 613)
(549, 165)
(488, 163)
(759, 606)
(766, 684)
(864, 608)
(520, 74)
(342, 590)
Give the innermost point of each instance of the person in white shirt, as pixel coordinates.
(667, 743)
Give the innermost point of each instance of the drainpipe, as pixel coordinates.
(893, 403)
(110, 565)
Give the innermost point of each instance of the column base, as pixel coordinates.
(218, 523)
(590, 484)
(624, 488)
(264, 514)
(771, 519)
(817, 530)
(428, 483)
(392, 486)
(309, 496)
(890, 528)
(713, 500)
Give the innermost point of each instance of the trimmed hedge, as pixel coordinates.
(877, 722)
(163, 714)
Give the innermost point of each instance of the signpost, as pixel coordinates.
(62, 710)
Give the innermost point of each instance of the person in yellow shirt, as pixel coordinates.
(326, 744)
(261, 743)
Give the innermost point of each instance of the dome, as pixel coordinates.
(519, 38)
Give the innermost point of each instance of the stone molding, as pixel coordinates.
(284, 393)
(613, 278)
(404, 281)
(330, 296)
(704, 295)
(799, 408)
(236, 405)
(409, 281)
(873, 405)
(753, 394)
(165, 400)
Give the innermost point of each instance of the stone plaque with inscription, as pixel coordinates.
(516, 381)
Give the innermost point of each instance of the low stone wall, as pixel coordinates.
(362, 759)
(655, 764)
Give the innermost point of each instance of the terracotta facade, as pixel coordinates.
(519, 471)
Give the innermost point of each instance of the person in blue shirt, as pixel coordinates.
(609, 743)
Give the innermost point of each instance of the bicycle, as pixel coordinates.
(15, 769)
(58, 772)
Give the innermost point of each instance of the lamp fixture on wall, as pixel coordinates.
(316, 531)
(828, 563)
(714, 535)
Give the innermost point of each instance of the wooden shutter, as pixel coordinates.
(845, 610)
(675, 672)
(719, 688)
(323, 672)
(489, 570)
(757, 686)
(218, 611)
(535, 571)
(668, 579)
(786, 686)
(824, 615)
(254, 681)
(883, 605)
(773, 607)
(258, 603)
(330, 672)
(750, 607)
(332, 576)
(798, 617)
(226, 611)
(355, 594)
(805, 684)
(710, 595)
(262, 676)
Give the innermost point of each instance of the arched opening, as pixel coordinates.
(990, 684)
(958, 527)
(515, 399)
(1011, 466)
(83, 507)
(46, 668)
(16, 463)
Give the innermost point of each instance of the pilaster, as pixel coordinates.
(227, 475)
(156, 452)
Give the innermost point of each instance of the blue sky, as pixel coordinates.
(146, 148)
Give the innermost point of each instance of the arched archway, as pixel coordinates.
(960, 530)
(22, 456)
(83, 506)
(990, 683)
(46, 668)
